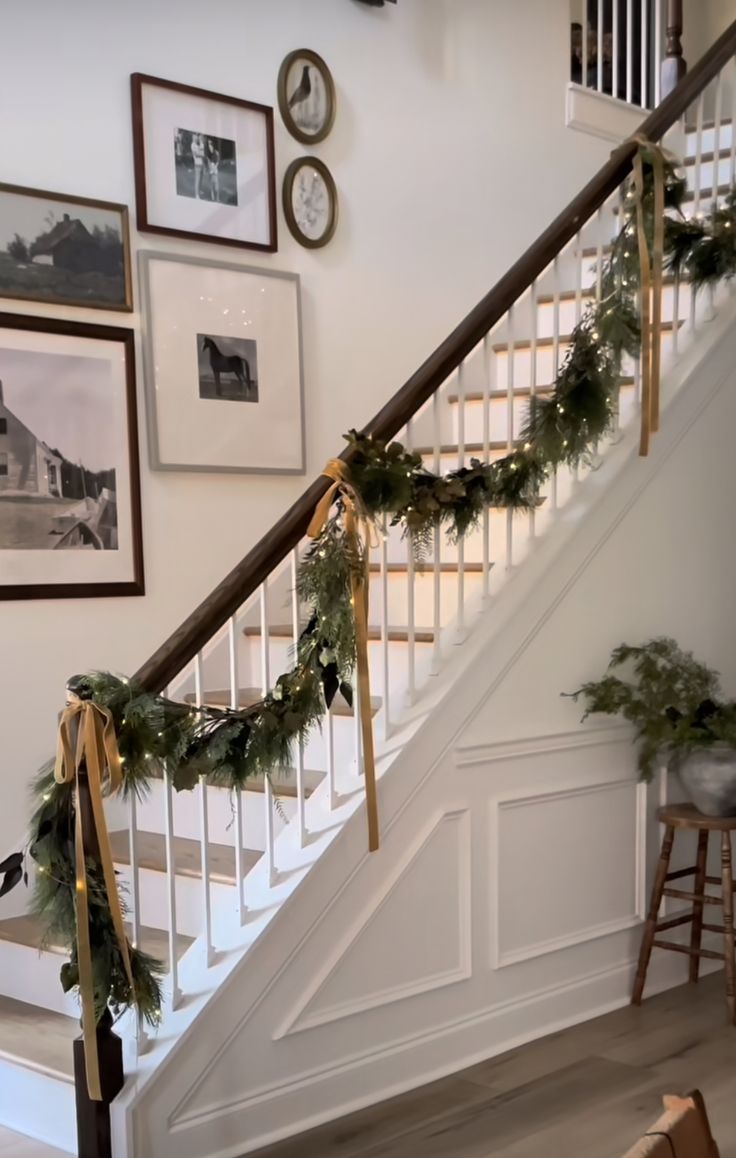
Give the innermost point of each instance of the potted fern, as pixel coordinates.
(681, 718)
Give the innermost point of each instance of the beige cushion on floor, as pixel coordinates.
(682, 1132)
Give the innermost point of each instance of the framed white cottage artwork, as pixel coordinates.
(223, 366)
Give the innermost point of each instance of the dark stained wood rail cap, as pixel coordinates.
(246, 577)
(688, 816)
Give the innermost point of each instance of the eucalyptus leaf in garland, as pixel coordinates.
(225, 747)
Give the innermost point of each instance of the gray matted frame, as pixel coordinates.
(145, 257)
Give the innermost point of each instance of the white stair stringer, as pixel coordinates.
(312, 1009)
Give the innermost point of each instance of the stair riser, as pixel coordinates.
(474, 420)
(708, 139)
(38, 1105)
(707, 170)
(281, 658)
(189, 899)
(424, 597)
(33, 977)
(473, 553)
(220, 805)
(568, 309)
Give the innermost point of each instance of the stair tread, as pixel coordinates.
(283, 783)
(37, 1037)
(545, 343)
(28, 930)
(395, 634)
(220, 698)
(427, 568)
(151, 854)
(519, 392)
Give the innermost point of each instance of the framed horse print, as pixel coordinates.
(204, 164)
(223, 366)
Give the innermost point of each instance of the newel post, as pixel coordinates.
(673, 64)
(93, 1118)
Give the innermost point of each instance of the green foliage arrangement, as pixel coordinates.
(674, 702)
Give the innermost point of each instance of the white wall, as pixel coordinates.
(450, 154)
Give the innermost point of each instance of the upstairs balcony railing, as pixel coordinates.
(628, 49)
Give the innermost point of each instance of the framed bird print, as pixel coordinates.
(306, 93)
(310, 202)
(204, 164)
(223, 366)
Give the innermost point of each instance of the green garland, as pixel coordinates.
(227, 747)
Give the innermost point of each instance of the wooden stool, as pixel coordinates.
(674, 817)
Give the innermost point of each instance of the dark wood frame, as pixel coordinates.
(283, 97)
(326, 175)
(91, 203)
(136, 585)
(137, 81)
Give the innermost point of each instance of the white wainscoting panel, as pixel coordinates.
(570, 867)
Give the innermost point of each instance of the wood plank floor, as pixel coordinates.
(589, 1091)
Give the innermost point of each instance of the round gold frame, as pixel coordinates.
(318, 63)
(289, 178)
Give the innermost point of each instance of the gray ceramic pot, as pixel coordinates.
(709, 778)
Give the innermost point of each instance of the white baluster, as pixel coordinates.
(599, 70)
(718, 106)
(658, 45)
(385, 657)
(555, 356)
(697, 192)
(357, 733)
(410, 602)
(533, 372)
(176, 994)
(586, 24)
(644, 53)
(599, 254)
(141, 1037)
(510, 367)
(232, 639)
(204, 830)
(268, 799)
(331, 772)
(630, 51)
(301, 798)
(489, 366)
(460, 632)
(615, 50)
(437, 546)
(676, 315)
(732, 173)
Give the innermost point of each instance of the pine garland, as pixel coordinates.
(225, 747)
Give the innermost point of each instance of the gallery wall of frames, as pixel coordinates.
(222, 345)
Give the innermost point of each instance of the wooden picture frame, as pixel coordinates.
(311, 211)
(194, 148)
(305, 70)
(73, 261)
(69, 470)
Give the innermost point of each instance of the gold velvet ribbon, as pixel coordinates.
(357, 529)
(651, 267)
(87, 738)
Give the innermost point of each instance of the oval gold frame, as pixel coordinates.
(326, 175)
(320, 65)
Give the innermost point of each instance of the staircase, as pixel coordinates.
(209, 877)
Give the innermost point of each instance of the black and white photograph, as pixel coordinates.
(70, 251)
(68, 465)
(228, 368)
(206, 167)
(306, 94)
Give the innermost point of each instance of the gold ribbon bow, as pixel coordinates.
(357, 529)
(87, 737)
(651, 267)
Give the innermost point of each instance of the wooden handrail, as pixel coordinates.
(249, 573)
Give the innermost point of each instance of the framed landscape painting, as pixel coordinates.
(222, 350)
(67, 250)
(70, 517)
(204, 164)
